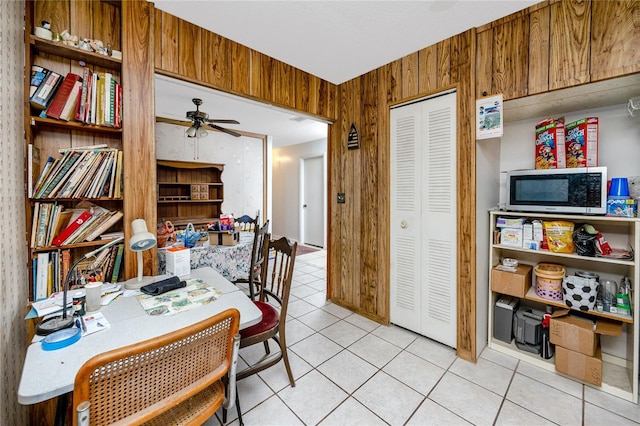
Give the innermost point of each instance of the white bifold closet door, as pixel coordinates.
(423, 217)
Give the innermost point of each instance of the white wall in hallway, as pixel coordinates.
(286, 183)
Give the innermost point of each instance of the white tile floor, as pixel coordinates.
(350, 370)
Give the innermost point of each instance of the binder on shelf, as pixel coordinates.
(46, 91)
(59, 100)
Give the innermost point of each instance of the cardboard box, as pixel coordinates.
(550, 145)
(511, 283)
(581, 366)
(223, 238)
(178, 261)
(582, 143)
(580, 334)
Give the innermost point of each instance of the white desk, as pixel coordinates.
(48, 374)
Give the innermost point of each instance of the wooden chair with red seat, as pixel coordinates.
(172, 379)
(275, 286)
(257, 259)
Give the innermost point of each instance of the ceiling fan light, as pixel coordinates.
(201, 132)
(191, 132)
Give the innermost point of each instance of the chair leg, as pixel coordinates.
(285, 357)
(240, 422)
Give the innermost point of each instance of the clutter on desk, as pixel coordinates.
(222, 233)
(178, 261)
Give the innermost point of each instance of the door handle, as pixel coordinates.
(404, 224)
(304, 205)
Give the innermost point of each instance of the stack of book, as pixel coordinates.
(87, 222)
(53, 225)
(88, 172)
(93, 98)
(51, 268)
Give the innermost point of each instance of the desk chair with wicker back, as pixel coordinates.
(172, 379)
(275, 286)
(257, 259)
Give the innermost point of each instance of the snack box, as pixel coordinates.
(582, 143)
(550, 144)
(621, 207)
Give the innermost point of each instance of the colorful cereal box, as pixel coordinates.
(550, 151)
(582, 143)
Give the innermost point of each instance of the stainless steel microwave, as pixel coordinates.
(576, 190)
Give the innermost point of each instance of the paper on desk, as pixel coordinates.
(50, 305)
(195, 294)
(95, 322)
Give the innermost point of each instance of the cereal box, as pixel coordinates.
(550, 151)
(582, 143)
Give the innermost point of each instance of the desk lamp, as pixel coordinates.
(141, 240)
(50, 325)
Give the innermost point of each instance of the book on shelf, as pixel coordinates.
(43, 217)
(109, 221)
(34, 225)
(81, 107)
(112, 235)
(117, 190)
(60, 173)
(59, 100)
(117, 263)
(69, 111)
(48, 165)
(33, 163)
(42, 278)
(38, 74)
(46, 91)
(61, 222)
(69, 173)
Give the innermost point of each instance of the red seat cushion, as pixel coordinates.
(270, 319)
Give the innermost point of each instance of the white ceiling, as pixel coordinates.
(333, 40)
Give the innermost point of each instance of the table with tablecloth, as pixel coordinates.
(232, 262)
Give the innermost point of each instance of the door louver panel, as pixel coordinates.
(440, 280)
(405, 290)
(405, 185)
(439, 181)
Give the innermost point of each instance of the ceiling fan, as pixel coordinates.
(200, 121)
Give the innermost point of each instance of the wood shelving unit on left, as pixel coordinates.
(46, 136)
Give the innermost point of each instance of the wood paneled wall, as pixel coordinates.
(360, 228)
(188, 52)
(558, 44)
(138, 134)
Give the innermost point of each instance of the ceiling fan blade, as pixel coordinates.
(222, 129)
(211, 120)
(173, 121)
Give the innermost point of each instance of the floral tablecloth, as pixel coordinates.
(231, 261)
